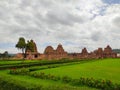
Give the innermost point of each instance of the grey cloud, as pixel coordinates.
(116, 21)
(96, 36)
(63, 17)
(65, 35)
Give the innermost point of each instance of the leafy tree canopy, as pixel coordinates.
(21, 44)
(30, 45)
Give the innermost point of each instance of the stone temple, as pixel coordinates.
(59, 53)
(32, 54)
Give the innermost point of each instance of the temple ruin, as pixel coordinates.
(32, 54)
(59, 53)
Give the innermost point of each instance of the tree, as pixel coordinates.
(30, 45)
(21, 45)
(5, 54)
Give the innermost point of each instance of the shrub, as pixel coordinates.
(100, 84)
(55, 78)
(42, 75)
(22, 71)
(66, 79)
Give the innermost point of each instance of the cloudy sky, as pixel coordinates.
(73, 23)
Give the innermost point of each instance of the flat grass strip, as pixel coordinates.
(40, 63)
(90, 82)
(101, 69)
(21, 82)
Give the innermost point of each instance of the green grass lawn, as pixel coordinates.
(30, 82)
(101, 69)
(9, 62)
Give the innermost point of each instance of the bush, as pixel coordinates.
(22, 71)
(42, 75)
(43, 62)
(100, 84)
(8, 85)
(66, 79)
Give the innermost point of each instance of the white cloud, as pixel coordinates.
(74, 23)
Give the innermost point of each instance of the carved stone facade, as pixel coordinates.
(32, 54)
(99, 53)
(29, 54)
(50, 53)
(108, 52)
(59, 53)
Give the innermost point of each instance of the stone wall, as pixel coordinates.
(50, 53)
(99, 53)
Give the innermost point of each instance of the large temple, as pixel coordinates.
(58, 53)
(50, 53)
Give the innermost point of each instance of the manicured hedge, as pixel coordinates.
(25, 71)
(13, 85)
(22, 71)
(20, 65)
(91, 82)
(10, 84)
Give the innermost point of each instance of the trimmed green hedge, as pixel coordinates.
(20, 65)
(91, 82)
(10, 84)
(13, 85)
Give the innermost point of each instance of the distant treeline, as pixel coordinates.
(116, 50)
(5, 55)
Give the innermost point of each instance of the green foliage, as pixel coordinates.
(14, 85)
(100, 84)
(4, 55)
(25, 82)
(20, 63)
(116, 50)
(71, 78)
(22, 71)
(42, 75)
(66, 79)
(21, 44)
(30, 45)
(99, 69)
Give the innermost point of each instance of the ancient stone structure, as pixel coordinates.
(108, 52)
(84, 53)
(50, 53)
(32, 54)
(29, 54)
(99, 53)
(19, 56)
(59, 53)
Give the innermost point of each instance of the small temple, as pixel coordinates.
(59, 53)
(32, 54)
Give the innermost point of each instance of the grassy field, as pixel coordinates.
(103, 69)
(99, 69)
(8, 62)
(31, 82)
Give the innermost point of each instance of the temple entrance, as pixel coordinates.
(36, 56)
